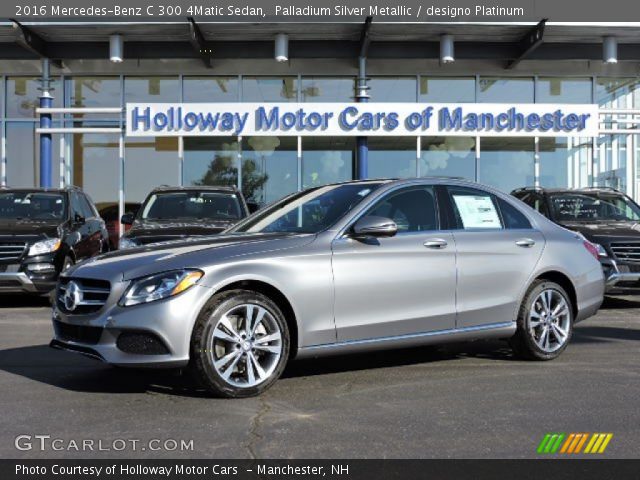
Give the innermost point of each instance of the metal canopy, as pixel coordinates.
(187, 39)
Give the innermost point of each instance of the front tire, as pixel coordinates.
(239, 345)
(545, 322)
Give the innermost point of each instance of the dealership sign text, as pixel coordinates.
(360, 119)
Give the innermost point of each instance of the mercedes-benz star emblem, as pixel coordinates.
(72, 296)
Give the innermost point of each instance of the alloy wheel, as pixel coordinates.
(245, 345)
(550, 320)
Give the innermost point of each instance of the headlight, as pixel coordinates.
(601, 251)
(126, 243)
(44, 246)
(159, 286)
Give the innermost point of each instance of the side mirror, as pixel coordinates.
(373, 226)
(253, 207)
(78, 219)
(127, 219)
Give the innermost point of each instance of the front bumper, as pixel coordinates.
(19, 282)
(619, 278)
(167, 324)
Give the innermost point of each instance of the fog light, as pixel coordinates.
(41, 267)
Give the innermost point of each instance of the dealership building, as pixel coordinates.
(80, 104)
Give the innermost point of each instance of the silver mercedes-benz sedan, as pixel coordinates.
(335, 269)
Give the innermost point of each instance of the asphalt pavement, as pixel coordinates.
(460, 401)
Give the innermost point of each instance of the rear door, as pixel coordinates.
(497, 250)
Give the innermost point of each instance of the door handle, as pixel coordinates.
(525, 242)
(435, 243)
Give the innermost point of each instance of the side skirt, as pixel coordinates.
(493, 330)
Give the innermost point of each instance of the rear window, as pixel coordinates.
(192, 206)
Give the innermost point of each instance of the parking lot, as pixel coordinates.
(461, 401)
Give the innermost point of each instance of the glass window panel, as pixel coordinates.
(393, 89)
(269, 168)
(96, 167)
(210, 89)
(23, 156)
(270, 89)
(611, 166)
(151, 89)
(149, 163)
(22, 145)
(23, 96)
(564, 162)
(392, 157)
(210, 161)
(447, 89)
(325, 89)
(505, 90)
(616, 92)
(506, 163)
(327, 160)
(448, 156)
(97, 92)
(563, 90)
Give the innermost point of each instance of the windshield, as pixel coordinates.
(310, 211)
(593, 207)
(32, 206)
(192, 206)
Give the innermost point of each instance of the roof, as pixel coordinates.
(196, 188)
(568, 190)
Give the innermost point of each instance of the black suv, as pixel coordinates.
(606, 217)
(172, 213)
(43, 232)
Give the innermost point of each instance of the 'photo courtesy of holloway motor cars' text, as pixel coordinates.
(348, 240)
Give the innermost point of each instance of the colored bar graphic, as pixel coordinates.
(573, 443)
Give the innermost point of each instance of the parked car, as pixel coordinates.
(111, 216)
(170, 213)
(335, 269)
(42, 233)
(604, 216)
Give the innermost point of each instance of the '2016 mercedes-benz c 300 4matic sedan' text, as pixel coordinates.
(335, 269)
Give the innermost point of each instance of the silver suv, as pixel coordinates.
(335, 269)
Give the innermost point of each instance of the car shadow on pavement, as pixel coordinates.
(24, 301)
(620, 303)
(74, 372)
(587, 334)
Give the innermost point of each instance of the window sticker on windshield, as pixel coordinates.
(477, 211)
(364, 192)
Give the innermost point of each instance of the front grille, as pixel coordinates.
(11, 250)
(78, 333)
(92, 295)
(626, 251)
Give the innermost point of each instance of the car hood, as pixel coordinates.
(16, 228)
(595, 230)
(192, 253)
(147, 232)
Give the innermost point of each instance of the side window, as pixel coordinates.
(474, 208)
(76, 208)
(512, 217)
(535, 201)
(85, 207)
(413, 209)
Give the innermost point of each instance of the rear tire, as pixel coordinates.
(545, 322)
(239, 344)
